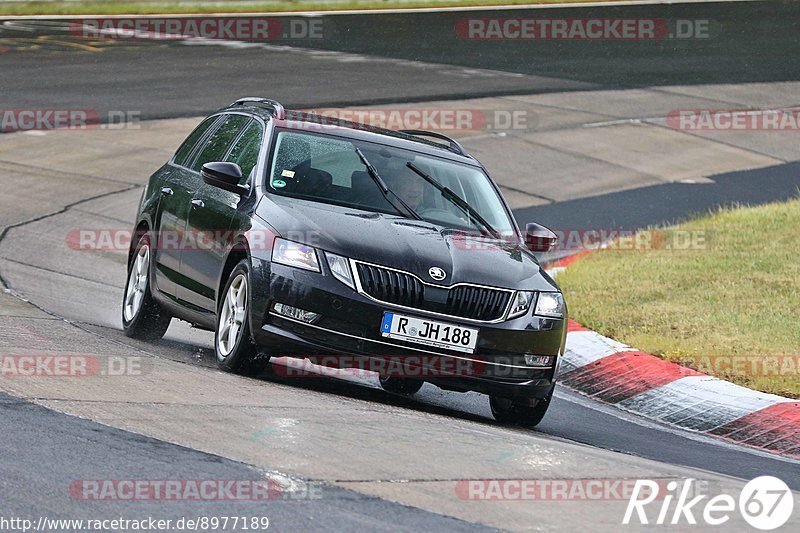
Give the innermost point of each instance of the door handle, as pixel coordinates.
(197, 202)
(166, 191)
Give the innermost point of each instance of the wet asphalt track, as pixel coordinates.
(45, 451)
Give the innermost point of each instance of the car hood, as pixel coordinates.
(404, 244)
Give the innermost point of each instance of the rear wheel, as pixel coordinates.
(233, 342)
(401, 385)
(142, 316)
(527, 413)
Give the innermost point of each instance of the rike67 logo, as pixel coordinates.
(765, 503)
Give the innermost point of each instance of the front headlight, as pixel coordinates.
(340, 268)
(521, 304)
(295, 254)
(550, 304)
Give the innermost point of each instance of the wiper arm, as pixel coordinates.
(389, 194)
(455, 199)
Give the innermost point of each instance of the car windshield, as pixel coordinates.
(329, 169)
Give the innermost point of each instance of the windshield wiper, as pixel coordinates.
(385, 190)
(455, 199)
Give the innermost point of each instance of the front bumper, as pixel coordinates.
(348, 334)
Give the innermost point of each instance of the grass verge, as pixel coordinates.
(727, 303)
(105, 7)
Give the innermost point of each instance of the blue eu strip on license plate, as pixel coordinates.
(386, 327)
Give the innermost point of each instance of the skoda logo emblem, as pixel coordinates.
(437, 273)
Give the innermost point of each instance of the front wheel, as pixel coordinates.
(233, 342)
(520, 412)
(142, 316)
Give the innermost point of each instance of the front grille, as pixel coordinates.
(477, 302)
(391, 286)
(463, 301)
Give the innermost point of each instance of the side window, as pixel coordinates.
(245, 152)
(217, 144)
(185, 150)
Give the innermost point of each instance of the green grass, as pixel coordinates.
(105, 7)
(737, 295)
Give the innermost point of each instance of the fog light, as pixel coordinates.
(537, 360)
(296, 313)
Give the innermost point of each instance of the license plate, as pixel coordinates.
(429, 332)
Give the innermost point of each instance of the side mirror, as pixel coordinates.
(226, 176)
(538, 238)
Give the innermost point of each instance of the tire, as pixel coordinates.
(508, 411)
(233, 343)
(142, 316)
(401, 385)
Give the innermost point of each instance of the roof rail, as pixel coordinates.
(455, 146)
(277, 108)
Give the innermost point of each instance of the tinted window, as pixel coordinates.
(245, 152)
(217, 144)
(185, 150)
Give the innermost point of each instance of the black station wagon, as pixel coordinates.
(293, 234)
